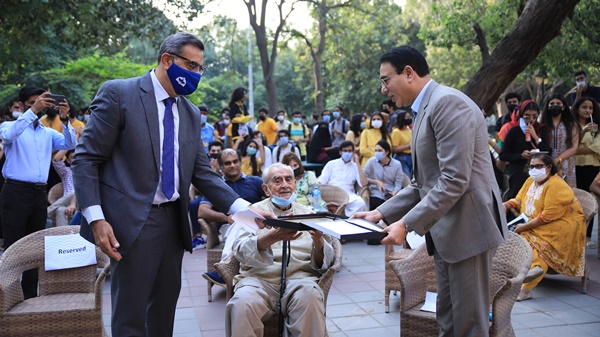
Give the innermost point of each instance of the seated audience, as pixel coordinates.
(268, 159)
(320, 149)
(305, 180)
(251, 163)
(284, 146)
(247, 187)
(556, 228)
(384, 175)
(344, 173)
(66, 206)
(257, 286)
(377, 131)
(520, 142)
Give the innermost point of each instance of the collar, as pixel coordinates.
(242, 177)
(159, 92)
(417, 103)
(282, 209)
(388, 163)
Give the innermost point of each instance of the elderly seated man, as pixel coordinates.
(257, 286)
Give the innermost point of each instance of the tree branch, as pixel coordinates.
(481, 42)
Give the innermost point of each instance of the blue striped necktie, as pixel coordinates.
(168, 155)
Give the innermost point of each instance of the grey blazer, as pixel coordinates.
(117, 162)
(453, 196)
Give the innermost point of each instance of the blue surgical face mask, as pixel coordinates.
(582, 83)
(184, 81)
(379, 155)
(347, 156)
(283, 202)
(251, 151)
(326, 118)
(363, 125)
(336, 115)
(203, 118)
(283, 140)
(297, 120)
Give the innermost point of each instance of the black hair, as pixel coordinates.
(389, 102)
(403, 56)
(402, 122)
(512, 95)
(203, 108)
(262, 137)
(581, 72)
(322, 112)
(297, 112)
(255, 170)
(287, 133)
(532, 105)
(566, 117)
(265, 110)
(346, 143)
(595, 112)
(175, 43)
(216, 143)
(546, 159)
(28, 91)
(355, 122)
(386, 146)
(384, 129)
(237, 94)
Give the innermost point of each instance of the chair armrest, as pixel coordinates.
(414, 274)
(99, 285)
(228, 268)
(212, 234)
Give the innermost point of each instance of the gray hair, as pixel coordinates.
(227, 153)
(265, 175)
(175, 43)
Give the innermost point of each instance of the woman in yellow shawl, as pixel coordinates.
(556, 229)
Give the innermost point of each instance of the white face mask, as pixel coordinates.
(280, 118)
(379, 155)
(226, 121)
(538, 174)
(582, 83)
(16, 114)
(376, 124)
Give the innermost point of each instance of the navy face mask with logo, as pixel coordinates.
(184, 81)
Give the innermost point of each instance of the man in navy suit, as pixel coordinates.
(137, 157)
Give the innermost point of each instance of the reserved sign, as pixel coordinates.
(68, 251)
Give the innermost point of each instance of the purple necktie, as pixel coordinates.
(168, 155)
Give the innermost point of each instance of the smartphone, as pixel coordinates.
(57, 98)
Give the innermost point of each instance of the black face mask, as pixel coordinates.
(555, 110)
(262, 118)
(408, 121)
(298, 172)
(511, 107)
(214, 155)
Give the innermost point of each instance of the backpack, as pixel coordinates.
(293, 150)
(303, 129)
(344, 121)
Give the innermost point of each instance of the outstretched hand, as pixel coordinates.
(373, 216)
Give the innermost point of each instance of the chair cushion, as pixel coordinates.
(55, 303)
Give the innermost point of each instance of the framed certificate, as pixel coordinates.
(337, 226)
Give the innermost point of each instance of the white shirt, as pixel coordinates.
(341, 174)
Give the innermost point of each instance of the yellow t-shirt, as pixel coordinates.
(368, 140)
(589, 159)
(351, 138)
(247, 166)
(269, 128)
(401, 137)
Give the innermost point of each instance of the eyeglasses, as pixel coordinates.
(530, 116)
(385, 80)
(537, 166)
(191, 65)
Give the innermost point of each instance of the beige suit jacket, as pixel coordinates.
(453, 195)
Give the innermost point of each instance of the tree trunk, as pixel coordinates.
(539, 23)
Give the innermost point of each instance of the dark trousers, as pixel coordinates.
(585, 176)
(145, 284)
(375, 202)
(24, 207)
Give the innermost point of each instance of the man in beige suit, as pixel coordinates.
(453, 199)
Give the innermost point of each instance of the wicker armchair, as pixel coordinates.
(70, 301)
(214, 250)
(334, 194)
(392, 283)
(231, 266)
(417, 275)
(590, 209)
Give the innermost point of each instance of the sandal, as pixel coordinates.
(591, 245)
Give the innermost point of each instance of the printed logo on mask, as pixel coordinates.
(181, 81)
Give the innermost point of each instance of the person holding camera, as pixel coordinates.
(28, 147)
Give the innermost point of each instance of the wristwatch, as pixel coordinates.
(539, 140)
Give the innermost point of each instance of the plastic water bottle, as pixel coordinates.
(318, 203)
